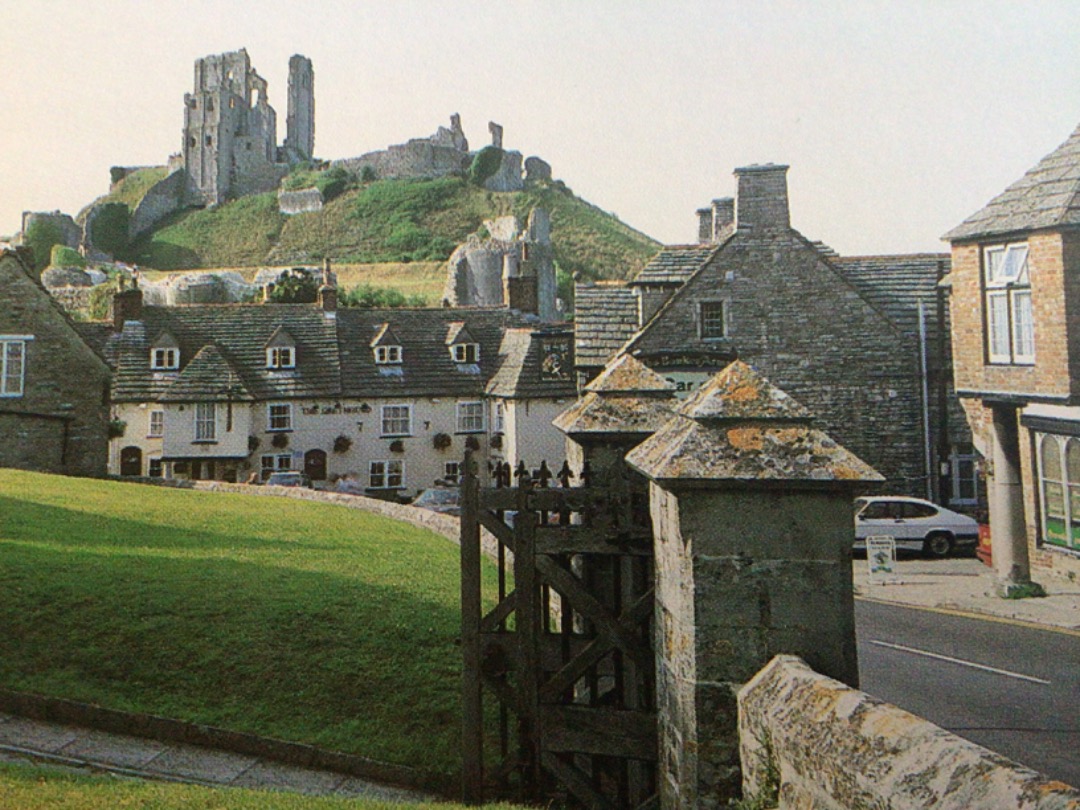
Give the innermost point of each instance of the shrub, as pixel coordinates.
(485, 164)
(332, 183)
(101, 297)
(371, 297)
(295, 286)
(109, 230)
(367, 175)
(63, 256)
(40, 238)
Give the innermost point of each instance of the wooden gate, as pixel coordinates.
(558, 682)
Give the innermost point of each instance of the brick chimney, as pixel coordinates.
(126, 306)
(705, 227)
(723, 217)
(328, 291)
(762, 200)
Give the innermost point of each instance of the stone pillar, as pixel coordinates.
(752, 527)
(1008, 527)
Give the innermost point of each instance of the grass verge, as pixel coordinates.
(283, 618)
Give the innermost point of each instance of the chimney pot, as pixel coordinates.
(705, 225)
(723, 216)
(126, 306)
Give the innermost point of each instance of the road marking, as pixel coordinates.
(960, 661)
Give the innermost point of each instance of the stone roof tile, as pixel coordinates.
(605, 317)
(629, 375)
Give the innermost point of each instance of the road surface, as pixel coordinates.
(1012, 689)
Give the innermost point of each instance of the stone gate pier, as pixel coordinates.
(752, 527)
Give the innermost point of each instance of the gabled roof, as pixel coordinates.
(1047, 196)
(458, 332)
(674, 264)
(281, 337)
(895, 285)
(209, 377)
(605, 317)
(628, 375)
(627, 398)
(739, 393)
(521, 359)
(384, 336)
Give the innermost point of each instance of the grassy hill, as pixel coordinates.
(284, 618)
(398, 221)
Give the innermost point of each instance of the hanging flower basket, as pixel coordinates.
(342, 444)
(397, 446)
(496, 441)
(280, 440)
(253, 444)
(442, 441)
(472, 443)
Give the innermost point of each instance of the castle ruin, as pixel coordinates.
(230, 130)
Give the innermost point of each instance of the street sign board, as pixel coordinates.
(881, 559)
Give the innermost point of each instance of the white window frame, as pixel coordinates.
(165, 359)
(1069, 492)
(393, 419)
(205, 414)
(388, 355)
(275, 462)
(452, 472)
(461, 351)
(707, 319)
(283, 417)
(278, 357)
(498, 417)
(386, 474)
(955, 462)
(13, 365)
(1010, 318)
(155, 428)
(470, 417)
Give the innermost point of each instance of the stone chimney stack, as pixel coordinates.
(126, 306)
(328, 291)
(705, 226)
(723, 217)
(762, 200)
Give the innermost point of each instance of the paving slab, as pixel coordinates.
(203, 764)
(113, 749)
(37, 735)
(359, 788)
(277, 776)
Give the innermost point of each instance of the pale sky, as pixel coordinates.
(898, 119)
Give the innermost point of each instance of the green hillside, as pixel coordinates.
(379, 221)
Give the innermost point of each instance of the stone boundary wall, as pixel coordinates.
(164, 729)
(836, 748)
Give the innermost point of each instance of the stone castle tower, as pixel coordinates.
(230, 130)
(300, 122)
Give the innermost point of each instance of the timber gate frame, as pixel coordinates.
(566, 652)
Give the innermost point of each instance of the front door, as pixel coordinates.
(315, 464)
(131, 461)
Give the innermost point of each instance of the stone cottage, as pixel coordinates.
(843, 336)
(53, 387)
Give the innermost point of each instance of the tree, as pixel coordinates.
(109, 230)
(295, 286)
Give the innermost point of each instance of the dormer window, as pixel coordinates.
(465, 353)
(279, 357)
(166, 359)
(387, 355)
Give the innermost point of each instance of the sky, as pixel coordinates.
(898, 119)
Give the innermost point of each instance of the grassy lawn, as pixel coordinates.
(33, 788)
(302, 621)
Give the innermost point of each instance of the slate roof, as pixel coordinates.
(626, 374)
(894, 285)
(334, 356)
(519, 373)
(627, 397)
(1047, 196)
(674, 264)
(605, 317)
(739, 427)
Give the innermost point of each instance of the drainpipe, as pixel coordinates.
(925, 404)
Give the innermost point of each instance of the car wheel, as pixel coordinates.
(938, 544)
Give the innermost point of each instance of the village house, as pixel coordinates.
(860, 341)
(389, 398)
(53, 387)
(1015, 285)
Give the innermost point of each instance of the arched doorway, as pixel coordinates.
(131, 460)
(315, 464)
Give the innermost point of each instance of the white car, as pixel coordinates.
(916, 525)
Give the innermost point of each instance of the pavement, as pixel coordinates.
(962, 586)
(965, 586)
(83, 750)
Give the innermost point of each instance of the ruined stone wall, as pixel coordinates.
(417, 158)
(835, 748)
(72, 299)
(300, 119)
(163, 198)
(300, 202)
(69, 229)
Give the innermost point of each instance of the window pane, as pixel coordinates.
(1015, 262)
(1051, 458)
(1023, 325)
(712, 319)
(995, 259)
(998, 316)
